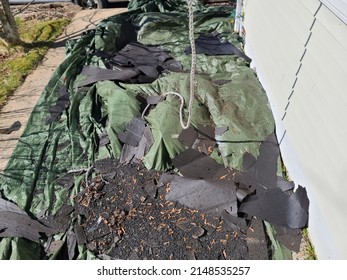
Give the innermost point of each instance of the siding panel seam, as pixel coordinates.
(297, 74)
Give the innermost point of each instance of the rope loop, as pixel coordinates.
(192, 70)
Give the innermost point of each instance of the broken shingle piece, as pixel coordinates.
(213, 196)
(235, 223)
(242, 192)
(130, 153)
(133, 132)
(291, 238)
(278, 207)
(71, 242)
(194, 164)
(210, 44)
(150, 60)
(188, 137)
(95, 74)
(154, 99)
(14, 222)
(54, 247)
(60, 220)
(104, 139)
(261, 173)
(219, 131)
(200, 139)
(257, 241)
(66, 181)
(284, 185)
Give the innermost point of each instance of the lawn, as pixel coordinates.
(16, 62)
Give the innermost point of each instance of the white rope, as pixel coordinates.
(87, 170)
(192, 71)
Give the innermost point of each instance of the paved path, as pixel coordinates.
(19, 107)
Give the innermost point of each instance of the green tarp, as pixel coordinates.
(47, 152)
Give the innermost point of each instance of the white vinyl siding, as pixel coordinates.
(305, 41)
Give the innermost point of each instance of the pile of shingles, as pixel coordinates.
(206, 185)
(241, 197)
(200, 210)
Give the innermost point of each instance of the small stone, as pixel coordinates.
(197, 232)
(183, 225)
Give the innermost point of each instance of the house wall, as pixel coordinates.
(299, 51)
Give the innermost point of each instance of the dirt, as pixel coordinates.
(124, 215)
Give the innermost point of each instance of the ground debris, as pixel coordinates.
(44, 11)
(123, 220)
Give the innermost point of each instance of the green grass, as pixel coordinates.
(309, 251)
(18, 61)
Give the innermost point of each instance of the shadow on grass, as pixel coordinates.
(36, 45)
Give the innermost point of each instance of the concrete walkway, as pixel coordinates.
(19, 107)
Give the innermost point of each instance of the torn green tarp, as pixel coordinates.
(121, 106)
(72, 142)
(241, 105)
(19, 249)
